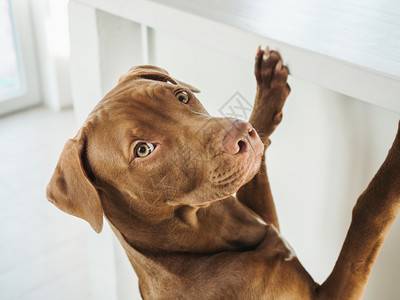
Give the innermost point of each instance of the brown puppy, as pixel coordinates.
(162, 171)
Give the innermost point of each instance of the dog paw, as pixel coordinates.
(270, 71)
(272, 91)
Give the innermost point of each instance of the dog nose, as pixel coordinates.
(240, 138)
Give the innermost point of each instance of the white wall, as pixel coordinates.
(322, 156)
(50, 23)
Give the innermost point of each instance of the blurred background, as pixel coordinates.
(322, 156)
(42, 254)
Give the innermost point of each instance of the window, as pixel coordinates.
(10, 65)
(19, 84)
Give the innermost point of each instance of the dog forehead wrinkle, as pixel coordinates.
(154, 97)
(107, 143)
(125, 125)
(135, 91)
(154, 120)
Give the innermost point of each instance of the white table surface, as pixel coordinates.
(348, 46)
(361, 32)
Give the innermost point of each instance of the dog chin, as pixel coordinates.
(247, 175)
(253, 170)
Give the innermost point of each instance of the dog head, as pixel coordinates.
(152, 144)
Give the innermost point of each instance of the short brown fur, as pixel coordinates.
(173, 211)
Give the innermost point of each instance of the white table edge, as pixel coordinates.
(352, 80)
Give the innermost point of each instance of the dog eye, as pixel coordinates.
(144, 149)
(183, 97)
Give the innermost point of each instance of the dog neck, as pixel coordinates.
(187, 215)
(221, 226)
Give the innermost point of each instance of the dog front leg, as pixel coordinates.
(272, 91)
(373, 215)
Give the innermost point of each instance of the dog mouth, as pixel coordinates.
(244, 164)
(224, 182)
(241, 173)
(233, 158)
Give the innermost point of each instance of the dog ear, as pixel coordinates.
(154, 73)
(70, 188)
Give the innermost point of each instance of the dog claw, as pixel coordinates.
(278, 66)
(266, 53)
(259, 51)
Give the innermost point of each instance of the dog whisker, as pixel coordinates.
(201, 114)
